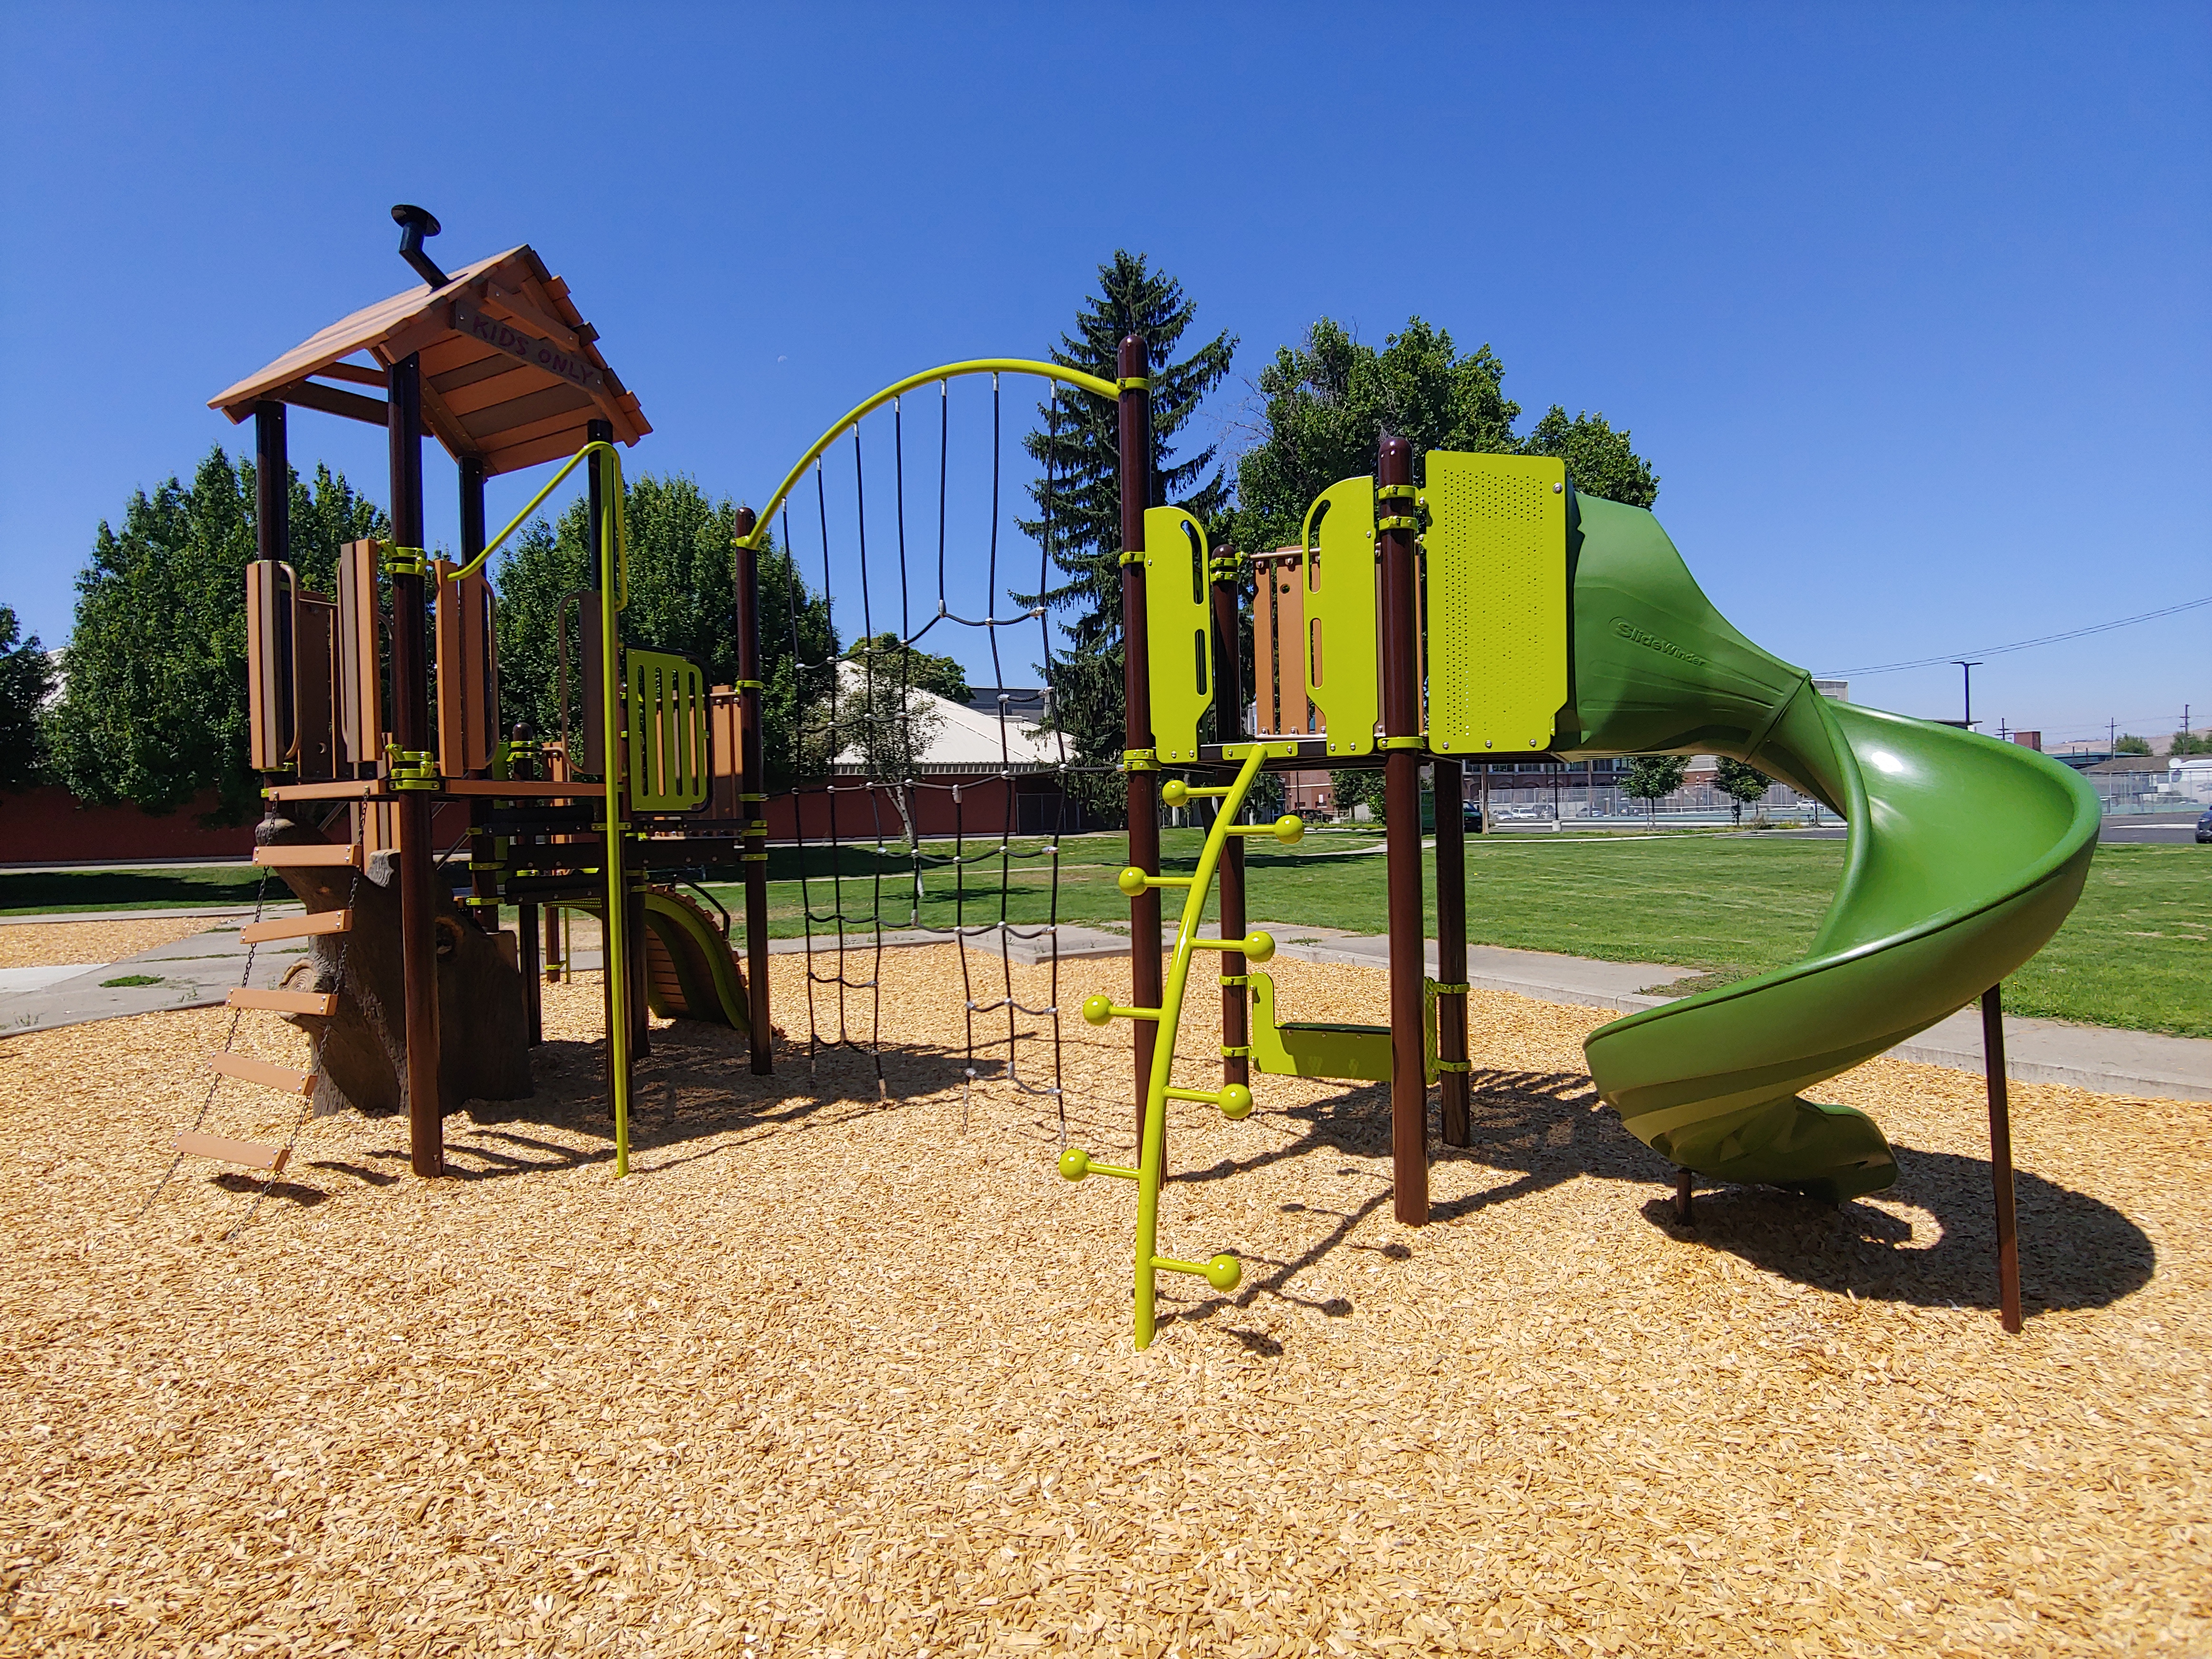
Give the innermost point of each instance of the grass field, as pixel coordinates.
(2137, 952)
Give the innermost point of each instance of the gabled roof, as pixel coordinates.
(511, 371)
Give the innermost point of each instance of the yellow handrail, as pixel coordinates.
(1223, 1271)
(1075, 376)
(516, 523)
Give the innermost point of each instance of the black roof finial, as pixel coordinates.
(415, 223)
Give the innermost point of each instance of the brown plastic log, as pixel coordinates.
(307, 926)
(283, 1002)
(253, 1154)
(283, 1079)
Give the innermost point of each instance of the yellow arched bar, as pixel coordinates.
(1076, 377)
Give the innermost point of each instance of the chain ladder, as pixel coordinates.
(230, 1039)
(308, 1107)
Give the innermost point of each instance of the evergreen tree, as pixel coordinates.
(26, 679)
(682, 561)
(1079, 498)
(153, 702)
(1328, 401)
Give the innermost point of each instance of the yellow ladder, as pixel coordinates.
(1222, 1271)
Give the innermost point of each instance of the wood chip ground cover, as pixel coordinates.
(840, 1374)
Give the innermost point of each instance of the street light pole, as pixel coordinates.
(1968, 668)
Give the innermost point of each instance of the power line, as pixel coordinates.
(2021, 645)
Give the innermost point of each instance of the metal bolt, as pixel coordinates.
(1556, 488)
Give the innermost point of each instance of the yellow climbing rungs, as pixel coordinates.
(306, 927)
(253, 1154)
(310, 854)
(260, 1070)
(285, 1002)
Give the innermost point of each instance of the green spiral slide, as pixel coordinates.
(1964, 855)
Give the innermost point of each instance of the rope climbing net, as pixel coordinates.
(917, 819)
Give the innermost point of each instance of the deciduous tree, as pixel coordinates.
(26, 679)
(153, 706)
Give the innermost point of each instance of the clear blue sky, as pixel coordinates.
(1911, 306)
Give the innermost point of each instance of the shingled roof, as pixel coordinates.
(511, 371)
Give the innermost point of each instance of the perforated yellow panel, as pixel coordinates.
(1497, 546)
(1341, 648)
(1178, 628)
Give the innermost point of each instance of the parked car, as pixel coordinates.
(1472, 820)
(2204, 827)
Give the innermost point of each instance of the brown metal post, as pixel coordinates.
(411, 730)
(1229, 727)
(1401, 831)
(1451, 949)
(526, 935)
(1143, 769)
(483, 881)
(272, 483)
(1993, 1067)
(752, 797)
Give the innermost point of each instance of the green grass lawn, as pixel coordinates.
(25, 893)
(2137, 952)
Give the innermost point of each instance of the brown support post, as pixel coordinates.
(411, 730)
(1993, 1067)
(1401, 831)
(1451, 949)
(272, 539)
(526, 935)
(484, 881)
(272, 483)
(1143, 770)
(1684, 1184)
(752, 798)
(1229, 727)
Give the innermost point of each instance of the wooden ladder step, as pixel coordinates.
(310, 854)
(261, 1072)
(253, 1154)
(285, 1002)
(307, 926)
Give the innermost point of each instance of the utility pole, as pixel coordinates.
(1969, 668)
(2112, 738)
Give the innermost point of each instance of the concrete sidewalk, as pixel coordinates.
(195, 972)
(198, 971)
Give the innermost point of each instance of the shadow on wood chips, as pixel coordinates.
(2076, 1251)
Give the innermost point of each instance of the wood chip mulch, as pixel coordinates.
(842, 1374)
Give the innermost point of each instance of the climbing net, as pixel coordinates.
(897, 842)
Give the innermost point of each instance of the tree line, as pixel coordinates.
(149, 705)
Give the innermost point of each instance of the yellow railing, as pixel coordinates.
(853, 417)
(1234, 1100)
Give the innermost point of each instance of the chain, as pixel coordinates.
(230, 1038)
(307, 1109)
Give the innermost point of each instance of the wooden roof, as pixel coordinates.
(511, 371)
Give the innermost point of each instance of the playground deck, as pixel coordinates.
(840, 1376)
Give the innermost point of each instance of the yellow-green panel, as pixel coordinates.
(1357, 1053)
(1339, 570)
(668, 763)
(1179, 629)
(1497, 545)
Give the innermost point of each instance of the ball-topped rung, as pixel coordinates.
(1259, 946)
(1225, 1272)
(1074, 1164)
(1290, 829)
(1236, 1102)
(1097, 1009)
(1174, 792)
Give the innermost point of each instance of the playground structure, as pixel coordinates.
(1488, 610)
(1492, 610)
